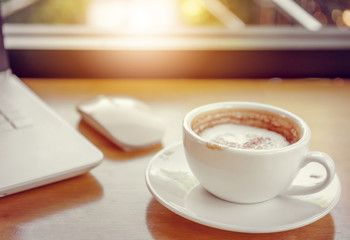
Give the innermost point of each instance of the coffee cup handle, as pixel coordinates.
(327, 162)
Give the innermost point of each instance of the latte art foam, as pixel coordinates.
(245, 128)
(244, 137)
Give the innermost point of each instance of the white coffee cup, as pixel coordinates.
(245, 174)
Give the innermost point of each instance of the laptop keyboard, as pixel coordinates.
(11, 118)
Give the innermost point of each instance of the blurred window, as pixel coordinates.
(157, 14)
(184, 25)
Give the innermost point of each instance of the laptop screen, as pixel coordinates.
(4, 63)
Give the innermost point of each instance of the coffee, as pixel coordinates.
(246, 129)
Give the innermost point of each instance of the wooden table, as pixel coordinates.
(113, 202)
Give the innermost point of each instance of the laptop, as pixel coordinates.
(37, 146)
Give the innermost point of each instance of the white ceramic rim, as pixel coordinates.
(248, 105)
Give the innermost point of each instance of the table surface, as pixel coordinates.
(113, 202)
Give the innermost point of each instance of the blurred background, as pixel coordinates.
(178, 38)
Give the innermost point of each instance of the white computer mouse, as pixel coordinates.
(127, 122)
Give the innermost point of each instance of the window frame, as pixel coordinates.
(79, 51)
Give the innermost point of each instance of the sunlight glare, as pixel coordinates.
(193, 10)
(346, 17)
(134, 15)
(106, 14)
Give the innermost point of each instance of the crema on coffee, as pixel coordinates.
(245, 129)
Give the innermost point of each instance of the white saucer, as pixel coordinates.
(172, 183)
